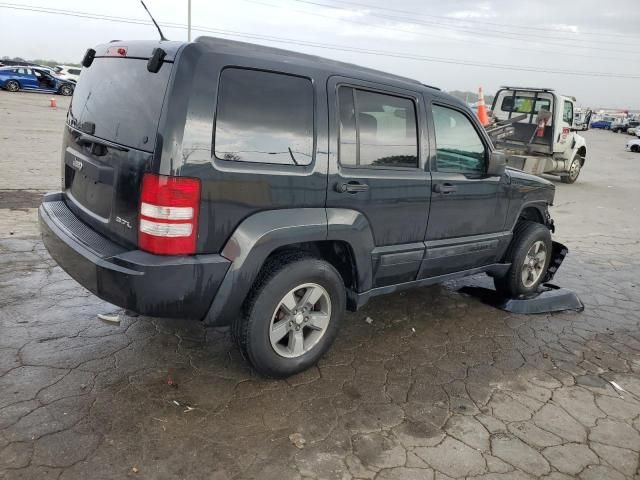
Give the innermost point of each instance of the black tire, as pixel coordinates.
(277, 278)
(66, 90)
(574, 171)
(12, 86)
(525, 235)
(635, 148)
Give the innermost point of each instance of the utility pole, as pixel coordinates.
(188, 20)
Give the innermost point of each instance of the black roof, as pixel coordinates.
(312, 61)
(144, 48)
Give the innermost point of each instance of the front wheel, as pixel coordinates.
(66, 90)
(12, 86)
(635, 148)
(574, 171)
(529, 254)
(292, 316)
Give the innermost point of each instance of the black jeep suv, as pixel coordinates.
(269, 190)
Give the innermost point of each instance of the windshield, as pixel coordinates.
(120, 100)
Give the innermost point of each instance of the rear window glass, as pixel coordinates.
(264, 117)
(524, 104)
(122, 99)
(382, 134)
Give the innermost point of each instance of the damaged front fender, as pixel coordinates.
(558, 253)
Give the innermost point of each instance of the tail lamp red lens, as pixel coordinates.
(168, 222)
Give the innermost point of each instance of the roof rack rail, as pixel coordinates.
(431, 86)
(533, 89)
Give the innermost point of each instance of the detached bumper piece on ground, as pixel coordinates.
(549, 297)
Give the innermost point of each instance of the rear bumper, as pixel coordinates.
(163, 286)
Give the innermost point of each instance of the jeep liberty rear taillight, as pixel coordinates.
(168, 214)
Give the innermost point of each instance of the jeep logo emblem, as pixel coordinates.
(77, 164)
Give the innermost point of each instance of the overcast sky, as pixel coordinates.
(593, 36)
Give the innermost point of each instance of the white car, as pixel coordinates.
(68, 72)
(633, 145)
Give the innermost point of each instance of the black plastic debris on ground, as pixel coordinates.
(549, 298)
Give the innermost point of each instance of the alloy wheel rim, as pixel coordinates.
(534, 262)
(12, 87)
(300, 320)
(575, 169)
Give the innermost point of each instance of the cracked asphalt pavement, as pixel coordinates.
(438, 386)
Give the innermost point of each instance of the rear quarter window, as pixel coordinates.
(264, 117)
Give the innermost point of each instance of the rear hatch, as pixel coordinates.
(110, 136)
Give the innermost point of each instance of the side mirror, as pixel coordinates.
(497, 163)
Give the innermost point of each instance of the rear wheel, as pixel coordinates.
(292, 316)
(635, 148)
(529, 254)
(66, 90)
(12, 86)
(574, 171)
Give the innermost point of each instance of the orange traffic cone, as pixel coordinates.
(483, 116)
(52, 103)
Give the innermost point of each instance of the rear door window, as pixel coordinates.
(376, 129)
(264, 117)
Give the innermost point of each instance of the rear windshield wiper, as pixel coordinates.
(86, 139)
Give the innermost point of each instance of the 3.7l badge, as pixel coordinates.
(77, 164)
(123, 222)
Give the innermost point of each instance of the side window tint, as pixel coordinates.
(567, 113)
(348, 139)
(264, 117)
(377, 129)
(458, 145)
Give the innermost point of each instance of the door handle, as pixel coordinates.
(444, 188)
(351, 187)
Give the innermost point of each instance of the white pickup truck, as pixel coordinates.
(535, 128)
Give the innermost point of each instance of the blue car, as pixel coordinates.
(604, 124)
(33, 79)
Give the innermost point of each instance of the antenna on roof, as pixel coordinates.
(162, 37)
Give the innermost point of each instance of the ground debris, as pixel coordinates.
(112, 318)
(297, 439)
(369, 320)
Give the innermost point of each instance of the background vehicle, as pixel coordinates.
(582, 118)
(623, 126)
(542, 138)
(603, 124)
(633, 145)
(310, 200)
(14, 79)
(68, 72)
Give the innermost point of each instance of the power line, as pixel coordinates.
(321, 45)
(440, 37)
(202, 28)
(449, 26)
(396, 29)
(482, 22)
